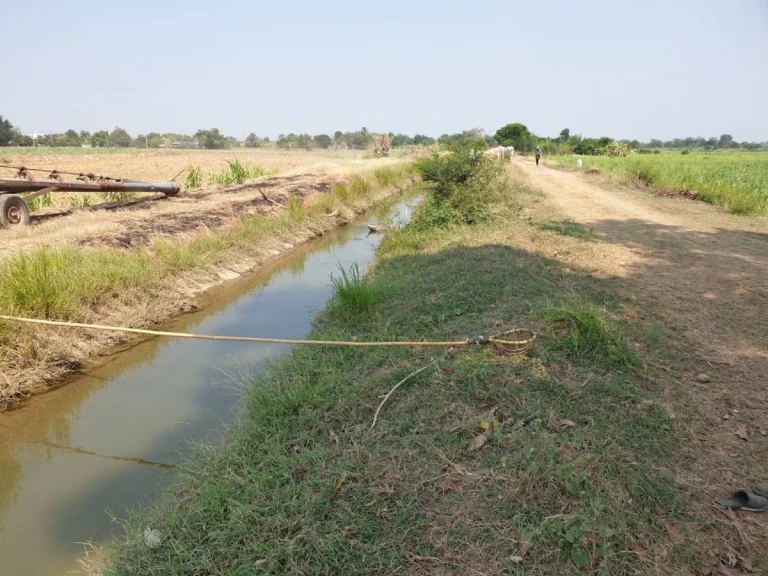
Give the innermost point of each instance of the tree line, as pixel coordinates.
(517, 135)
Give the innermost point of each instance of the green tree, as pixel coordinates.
(70, 138)
(211, 139)
(323, 141)
(565, 133)
(516, 135)
(252, 141)
(726, 141)
(119, 138)
(8, 134)
(422, 140)
(100, 139)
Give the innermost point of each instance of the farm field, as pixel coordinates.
(142, 260)
(161, 164)
(735, 181)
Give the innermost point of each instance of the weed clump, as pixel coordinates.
(582, 334)
(194, 178)
(351, 290)
(296, 209)
(360, 186)
(236, 173)
(340, 191)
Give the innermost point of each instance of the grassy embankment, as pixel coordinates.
(85, 284)
(738, 182)
(576, 476)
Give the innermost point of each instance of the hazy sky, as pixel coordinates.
(622, 68)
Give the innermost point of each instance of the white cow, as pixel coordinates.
(501, 151)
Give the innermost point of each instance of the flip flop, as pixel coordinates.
(743, 500)
(761, 489)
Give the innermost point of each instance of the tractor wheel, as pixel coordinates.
(13, 211)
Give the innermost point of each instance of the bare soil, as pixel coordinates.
(137, 222)
(703, 275)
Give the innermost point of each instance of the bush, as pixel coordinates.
(463, 183)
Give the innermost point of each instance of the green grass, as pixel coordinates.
(80, 201)
(296, 209)
(340, 191)
(323, 204)
(236, 173)
(117, 196)
(567, 228)
(44, 201)
(738, 182)
(194, 178)
(578, 463)
(351, 290)
(360, 185)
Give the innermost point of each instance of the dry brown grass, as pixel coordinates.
(160, 165)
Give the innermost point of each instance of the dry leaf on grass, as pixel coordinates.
(340, 480)
(674, 534)
(741, 432)
(567, 423)
(746, 564)
(478, 442)
(450, 485)
(516, 559)
(525, 545)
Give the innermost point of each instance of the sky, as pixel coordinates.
(635, 69)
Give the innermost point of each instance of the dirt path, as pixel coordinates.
(703, 274)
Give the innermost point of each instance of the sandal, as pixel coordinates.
(748, 501)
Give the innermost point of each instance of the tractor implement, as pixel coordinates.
(14, 209)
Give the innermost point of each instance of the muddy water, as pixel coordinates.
(109, 440)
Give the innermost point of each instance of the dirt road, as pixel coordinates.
(703, 275)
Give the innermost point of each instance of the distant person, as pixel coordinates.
(538, 154)
(578, 163)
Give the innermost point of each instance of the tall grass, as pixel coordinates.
(63, 282)
(360, 185)
(323, 204)
(116, 196)
(296, 209)
(44, 201)
(351, 290)
(340, 191)
(738, 182)
(236, 173)
(194, 178)
(80, 201)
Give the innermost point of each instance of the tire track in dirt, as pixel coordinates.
(703, 274)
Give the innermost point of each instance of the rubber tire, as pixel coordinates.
(13, 211)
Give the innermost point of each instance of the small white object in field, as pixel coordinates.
(578, 163)
(152, 538)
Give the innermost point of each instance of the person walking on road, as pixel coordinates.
(538, 154)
